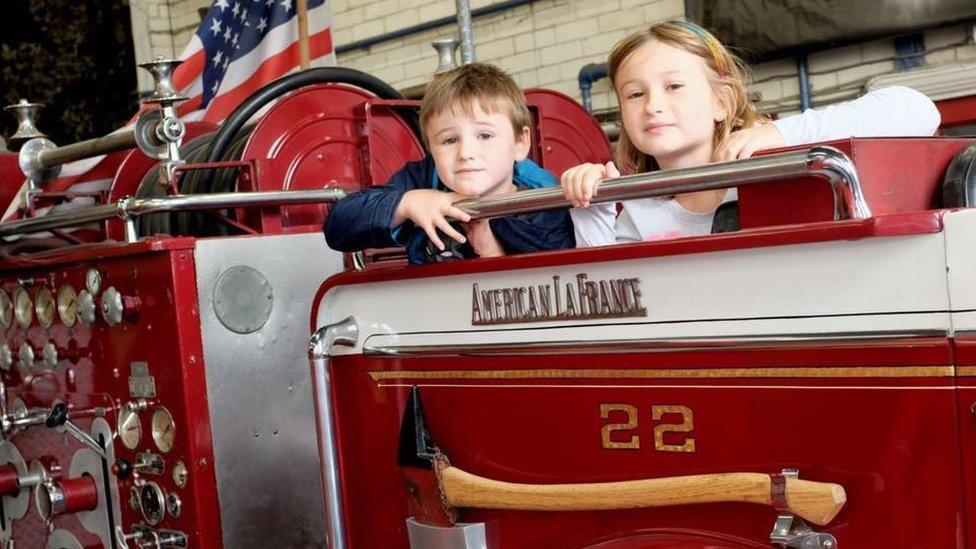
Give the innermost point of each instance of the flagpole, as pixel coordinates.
(302, 7)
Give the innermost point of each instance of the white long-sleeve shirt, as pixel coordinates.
(896, 111)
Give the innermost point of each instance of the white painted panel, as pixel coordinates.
(874, 276)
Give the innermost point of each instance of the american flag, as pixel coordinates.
(240, 46)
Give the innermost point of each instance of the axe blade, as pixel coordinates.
(417, 448)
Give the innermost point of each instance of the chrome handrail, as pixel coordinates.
(825, 162)
(129, 208)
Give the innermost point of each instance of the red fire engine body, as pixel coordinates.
(800, 382)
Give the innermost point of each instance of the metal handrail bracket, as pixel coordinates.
(129, 208)
(824, 162)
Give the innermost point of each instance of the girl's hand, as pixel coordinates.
(429, 209)
(580, 182)
(482, 239)
(745, 142)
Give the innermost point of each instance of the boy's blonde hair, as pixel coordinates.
(475, 84)
(726, 73)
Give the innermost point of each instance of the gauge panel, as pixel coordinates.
(44, 307)
(67, 305)
(23, 308)
(6, 310)
(130, 428)
(93, 281)
(163, 429)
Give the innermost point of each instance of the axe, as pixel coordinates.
(816, 502)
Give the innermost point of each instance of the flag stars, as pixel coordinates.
(215, 27)
(227, 33)
(218, 58)
(263, 24)
(286, 4)
(215, 87)
(222, 4)
(269, 2)
(236, 10)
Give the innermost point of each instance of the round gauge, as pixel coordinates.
(130, 429)
(163, 429)
(153, 503)
(93, 281)
(23, 308)
(180, 474)
(67, 305)
(44, 307)
(6, 310)
(86, 308)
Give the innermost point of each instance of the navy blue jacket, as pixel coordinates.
(362, 220)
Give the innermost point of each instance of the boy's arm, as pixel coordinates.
(365, 219)
(547, 230)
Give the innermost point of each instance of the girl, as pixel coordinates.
(683, 104)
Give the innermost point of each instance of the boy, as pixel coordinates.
(476, 125)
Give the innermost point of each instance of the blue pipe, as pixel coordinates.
(428, 25)
(803, 74)
(590, 73)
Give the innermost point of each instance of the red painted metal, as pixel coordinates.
(891, 176)
(11, 178)
(957, 111)
(80, 494)
(320, 136)
(9, 481)
(565, 134)
(160, 273)
(862, 433)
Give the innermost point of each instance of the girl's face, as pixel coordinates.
(667, 104)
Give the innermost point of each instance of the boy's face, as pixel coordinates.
(475, 154)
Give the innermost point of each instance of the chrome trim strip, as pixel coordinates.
(128, 208)
(344, 333)
(825, 162)
(459, 536)
(649, 345)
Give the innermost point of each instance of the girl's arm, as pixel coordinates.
(895, 111)
(594, 225)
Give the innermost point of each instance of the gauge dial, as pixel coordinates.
(67, 305)
(152, 502)
(130, 428)
(93, 281)
(23, 308)
(163, 429)
(180, 474)
(44, 307)
(6, 310)
(86, 308)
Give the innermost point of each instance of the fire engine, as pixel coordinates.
(185, 363)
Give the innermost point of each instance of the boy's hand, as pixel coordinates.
(745, 142)
(482, 239)
(429, 209)
(579, 183)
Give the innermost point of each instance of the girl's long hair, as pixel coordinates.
(726, 73)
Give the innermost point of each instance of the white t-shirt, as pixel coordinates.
(896, 111)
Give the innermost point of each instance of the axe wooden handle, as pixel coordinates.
(817, 502)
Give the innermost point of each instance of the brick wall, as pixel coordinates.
(162, 27)
(541, 44)
(842, 73)
(545, 43)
